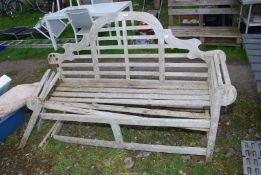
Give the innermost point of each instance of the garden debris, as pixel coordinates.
(143, 154)
(95, 170)
(128, 162)
(182, 173)
(168, 136)
(92, 135)
(186, 158)
(230, 152)
(106, 162)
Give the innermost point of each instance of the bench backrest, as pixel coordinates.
(119, 57)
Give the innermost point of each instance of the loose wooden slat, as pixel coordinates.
(133, 146)
(46, 85)
(43, 142)
(83, 108)
(42, 82)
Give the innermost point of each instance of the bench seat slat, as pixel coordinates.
(133, 90)
(169, 103)
(148, 84)
(130, 96)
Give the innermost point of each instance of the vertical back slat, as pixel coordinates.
(126, 54)
(161, 59)
(95, 59)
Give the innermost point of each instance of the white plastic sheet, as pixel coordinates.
(16, 98)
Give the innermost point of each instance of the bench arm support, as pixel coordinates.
(219, 79)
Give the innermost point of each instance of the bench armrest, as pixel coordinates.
(219, 80)
(46, 84)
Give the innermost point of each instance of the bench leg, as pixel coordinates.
(39, 125)
(117, 133)
(30, 125)
(215, 112)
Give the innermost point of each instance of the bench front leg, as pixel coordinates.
(35, 103)
(222, 93)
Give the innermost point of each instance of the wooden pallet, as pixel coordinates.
(209, 35)
(218, 35)
(252, 44)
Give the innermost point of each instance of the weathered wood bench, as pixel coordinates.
(223, 35)
(136, 85)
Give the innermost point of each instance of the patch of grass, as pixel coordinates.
(232, 53)
(24, 53)
(26, 19)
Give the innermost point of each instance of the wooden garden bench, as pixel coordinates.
(110, 80)
(197, 9)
